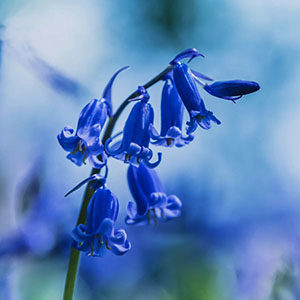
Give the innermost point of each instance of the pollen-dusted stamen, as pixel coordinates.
(162, 214)
(77, 148)
(169, 141)
(138, 160)
(100, 241)
(84, 159)
(81, 147)
(154, 217)
(149, 217)
(107, 246)
(92, 248)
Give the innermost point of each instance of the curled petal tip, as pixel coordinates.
(107, 91)
(155, 164)
(189, 53)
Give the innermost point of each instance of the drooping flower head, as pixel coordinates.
(134, 147)
(151, 202)
(86, 143)
(99, 234)
(231, 89)
(171, 118)
(185, 83)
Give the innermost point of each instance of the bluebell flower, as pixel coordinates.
(134, 147)
(171, 118)
(185, 83)
(231, 89)
(151, 202)
(98, 234)
(86, 143)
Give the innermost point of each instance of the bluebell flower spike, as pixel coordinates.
(151, 203)
(98, 234)
(231, 89)
(98, 180)
(171, 118)
(107, 91)
(134, 147)
(85, 143)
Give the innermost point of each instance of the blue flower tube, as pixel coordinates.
(188, 91)
(86, 143)
(171, 118)
(98, 234)
(151, 202)
(134, 147)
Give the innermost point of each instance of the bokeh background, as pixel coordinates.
(238, 236)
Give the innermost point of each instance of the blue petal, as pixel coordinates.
(107, 91)
(91, 121)
(136, 128)
(79, 233)
(173, 132)
(118, 237)
(68, 141)
(77, 157)
(137, 192)
(138, 220)
(173, 208)
(120, 249)
(189, 53)
(158, 199)
(187, 89)
(106, 227)
(96, 163)
(203, 120)
(231, 88)
(114, 149)
(171, 107)
(153, 165)
(103, 204)
(153, 133)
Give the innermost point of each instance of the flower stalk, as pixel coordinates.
(75, 254)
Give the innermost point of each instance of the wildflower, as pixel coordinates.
(171, 118)
(134, 147)
(231, 89)
(185, 83)
(99, 234)
(151, 202)
(86, 143)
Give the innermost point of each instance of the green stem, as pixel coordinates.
(75, 254)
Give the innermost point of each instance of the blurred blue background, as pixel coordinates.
(238, 236)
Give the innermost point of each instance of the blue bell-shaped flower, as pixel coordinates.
(171, 118)
(134, 147)
(98, 234)
(86, 143)
(185, 83)
(151, 202)
(231, 89)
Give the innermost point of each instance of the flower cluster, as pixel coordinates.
(151, 203)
